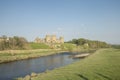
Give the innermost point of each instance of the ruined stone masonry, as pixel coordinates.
(49, 39)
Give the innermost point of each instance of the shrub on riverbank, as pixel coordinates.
(89, 43)
(116, 46)
(7, 43)
(68, 46)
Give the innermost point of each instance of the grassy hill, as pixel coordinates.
(68, 46)
(39, 46)
(102, 65)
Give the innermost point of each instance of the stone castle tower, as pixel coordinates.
(61, 40)
(49, 39)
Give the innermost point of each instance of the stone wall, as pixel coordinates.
(49, 39)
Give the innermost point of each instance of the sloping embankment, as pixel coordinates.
(13, 55)
(102, 65)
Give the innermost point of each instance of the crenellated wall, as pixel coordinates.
(49, 39)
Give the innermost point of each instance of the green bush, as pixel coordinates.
(68, 46)
(15, 42)
(89, 43)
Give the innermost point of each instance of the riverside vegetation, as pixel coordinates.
(20, 43)
(13, 55)
(102, 65)
(17, 48)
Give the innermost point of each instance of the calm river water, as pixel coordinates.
(11, 70)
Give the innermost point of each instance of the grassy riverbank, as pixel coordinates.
(37, 50)
(13, 55)
(102, 65)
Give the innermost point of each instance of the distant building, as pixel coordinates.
(2, 39)
(49, 39)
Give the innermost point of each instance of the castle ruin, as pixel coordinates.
(49, 39)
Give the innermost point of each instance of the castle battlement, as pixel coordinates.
(49, 39)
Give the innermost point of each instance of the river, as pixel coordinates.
(11, 70)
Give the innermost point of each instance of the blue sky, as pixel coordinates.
(91, 19)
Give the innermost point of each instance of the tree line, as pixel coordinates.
(13, 43)
(7, 43)
(89, 43)
(116, 46)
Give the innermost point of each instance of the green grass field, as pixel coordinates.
(39, 46)
(104, 64)
(68, 46)
(13, 55)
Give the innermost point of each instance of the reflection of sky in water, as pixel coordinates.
(24, 67)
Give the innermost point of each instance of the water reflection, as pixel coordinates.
(8, 71)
